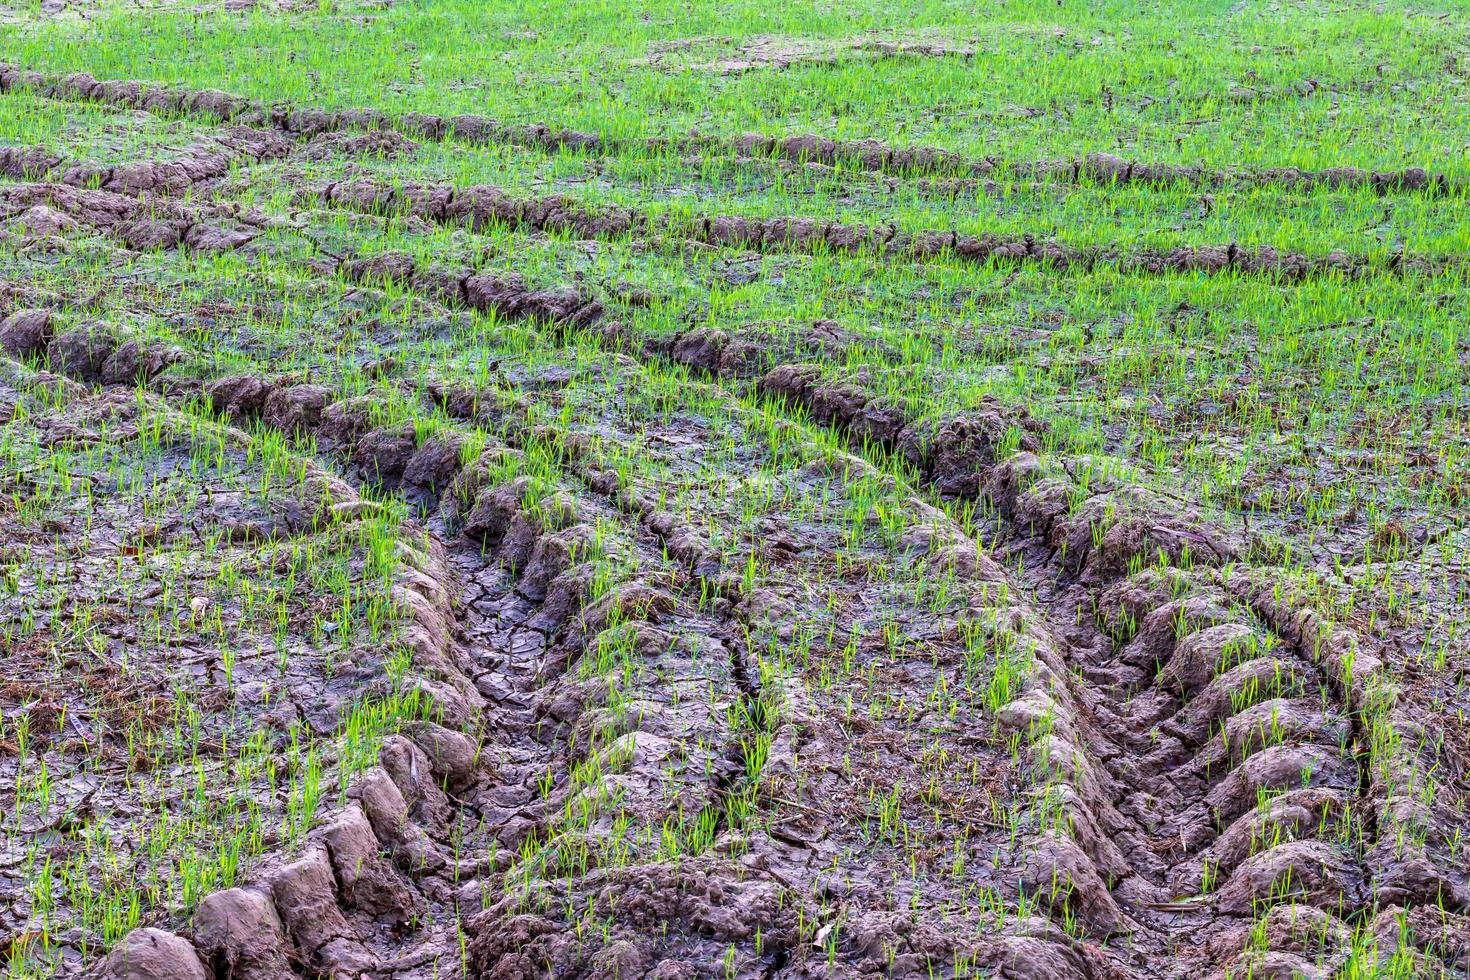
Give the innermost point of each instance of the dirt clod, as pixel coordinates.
(152, 954)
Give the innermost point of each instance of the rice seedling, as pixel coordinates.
(947, 490)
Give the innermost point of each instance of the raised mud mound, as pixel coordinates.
(209, 160)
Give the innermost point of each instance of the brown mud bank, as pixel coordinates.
(205, 161)
(143, 223)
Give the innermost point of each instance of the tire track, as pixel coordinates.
(1223, 693)
(498, 640)
(1151, 862)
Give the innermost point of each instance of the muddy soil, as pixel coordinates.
(701, 665)
(1177, 653)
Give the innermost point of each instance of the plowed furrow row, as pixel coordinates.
(484, 206)
(42, 210)
(206, 161)
(143, 223)
(864, 154)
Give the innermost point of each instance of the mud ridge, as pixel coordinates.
(320, 911)
(877, 156)
(539, 557)
(479, 207)
(869, 155)
(1025, 945)
(951, 457)
(145, 224)
(548, 593)
(203, 162)
(1110, 829)
(44, 211)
